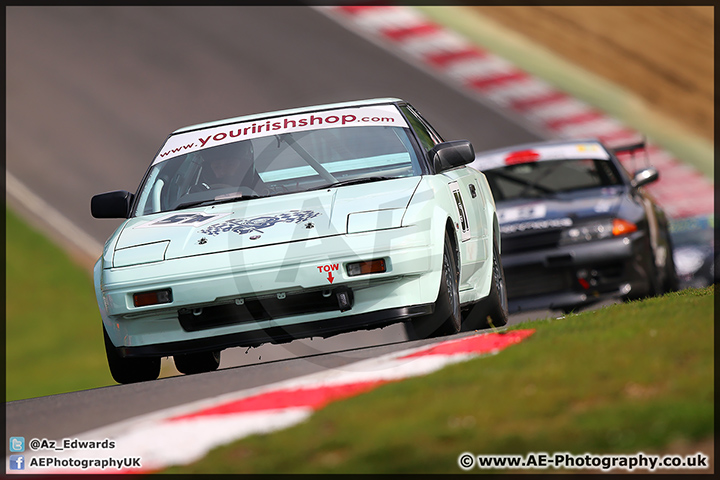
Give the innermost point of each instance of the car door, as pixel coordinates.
(469, 200)
(471, 228)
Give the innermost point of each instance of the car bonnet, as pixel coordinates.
(262, 221)
(538, 214)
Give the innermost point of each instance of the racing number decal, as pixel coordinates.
(462, 214)
(525, 212)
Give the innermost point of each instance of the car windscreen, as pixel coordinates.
(276, 165)
(549, 177)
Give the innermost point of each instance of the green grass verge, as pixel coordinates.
(53, 331)
(621, 379)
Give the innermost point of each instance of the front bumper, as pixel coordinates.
(572, 276)
(280, 334)
(265, 277)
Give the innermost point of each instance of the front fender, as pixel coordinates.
(431, 208)
(97, 281)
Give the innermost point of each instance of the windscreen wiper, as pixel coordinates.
(353, 181)
(216, 201)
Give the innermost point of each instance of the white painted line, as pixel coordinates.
(17, 190)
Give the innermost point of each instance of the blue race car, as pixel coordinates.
(307, 222)
(576, 227)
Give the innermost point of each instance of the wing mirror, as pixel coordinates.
(111, 204)
(448, 155)
(645, 176)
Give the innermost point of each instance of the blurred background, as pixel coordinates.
(662, 54)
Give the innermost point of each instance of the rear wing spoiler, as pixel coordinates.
(631, 148)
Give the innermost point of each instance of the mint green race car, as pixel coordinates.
(299, 223)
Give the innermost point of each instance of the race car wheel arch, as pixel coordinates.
(495, 305)
(498, 292)
(446, 319)
(650, 272)
(130, 370)
(200, 362)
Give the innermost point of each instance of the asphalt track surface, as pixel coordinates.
(93, 91)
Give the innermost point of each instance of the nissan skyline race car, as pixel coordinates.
(576, 228)
(299, 223)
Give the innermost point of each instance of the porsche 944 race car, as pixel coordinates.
(576, 227)
(299, 223)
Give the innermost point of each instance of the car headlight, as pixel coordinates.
(375, 220)
(140, 254)
(597, 230)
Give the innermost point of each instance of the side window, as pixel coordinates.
(437, 138)
(427, 136)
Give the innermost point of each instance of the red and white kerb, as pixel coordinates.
(185, 434)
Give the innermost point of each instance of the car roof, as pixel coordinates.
(537, 145)
(291, 111)
(538, 151)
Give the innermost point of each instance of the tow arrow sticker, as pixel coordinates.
(329, 268)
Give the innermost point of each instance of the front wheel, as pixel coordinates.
(200, 362)
(130, 369)
(493, 309)
(653, 285)
(446, 319)
(671, 282)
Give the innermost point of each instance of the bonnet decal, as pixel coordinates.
(243, 226)
(183, 220)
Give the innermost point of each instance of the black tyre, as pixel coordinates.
(571, 309)
(200, 362)
(131, 369)
(446, 319)
(493, 309)
(671, 282)
(654, 286)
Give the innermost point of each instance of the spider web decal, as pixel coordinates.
(243, 226)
